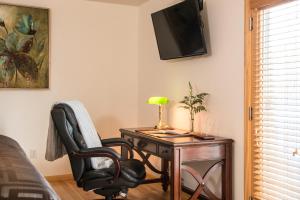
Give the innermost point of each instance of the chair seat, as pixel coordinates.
(103, 174)
(131, 170)
(132, 174)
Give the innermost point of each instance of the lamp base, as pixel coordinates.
(161, 126)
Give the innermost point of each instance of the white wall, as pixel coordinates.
(106, 56)
(220, 74)
(93, 59)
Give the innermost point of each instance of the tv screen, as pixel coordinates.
(179, 30)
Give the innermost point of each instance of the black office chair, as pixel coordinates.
(108, 182)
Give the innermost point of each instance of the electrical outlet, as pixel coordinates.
(32, 154)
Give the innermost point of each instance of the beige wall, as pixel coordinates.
(220, 74)
(93, 59)
(106, 56)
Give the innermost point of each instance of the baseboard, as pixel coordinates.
(64, 177)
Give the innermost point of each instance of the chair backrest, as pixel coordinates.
(67, 127)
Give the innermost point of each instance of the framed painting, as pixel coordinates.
(24, 47)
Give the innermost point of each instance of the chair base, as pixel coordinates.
(111, 193)
(109, 198)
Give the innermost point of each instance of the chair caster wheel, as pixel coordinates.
(109, 198)
(123, 195)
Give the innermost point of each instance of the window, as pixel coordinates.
(273, 140)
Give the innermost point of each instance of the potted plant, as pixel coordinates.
(193, 103)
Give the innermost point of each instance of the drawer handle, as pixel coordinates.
(165, 151)
(142, 144)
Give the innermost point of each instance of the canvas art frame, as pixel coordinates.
(24, 46)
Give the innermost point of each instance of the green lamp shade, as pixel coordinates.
(158, 100)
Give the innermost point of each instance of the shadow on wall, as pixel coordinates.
(108, 126)
(206, 29)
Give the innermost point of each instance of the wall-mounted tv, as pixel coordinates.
(179, 30)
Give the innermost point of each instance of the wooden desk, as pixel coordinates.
(178, 151)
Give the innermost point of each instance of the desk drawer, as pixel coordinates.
(142, 144)
(205, 152)
(164, 152)
(145, 145)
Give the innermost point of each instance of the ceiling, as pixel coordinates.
(124, 2)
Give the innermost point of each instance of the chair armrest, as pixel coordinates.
(101, 152)
(111, 142)
(116, 141)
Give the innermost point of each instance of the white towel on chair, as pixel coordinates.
(88, 132)
(55, 149)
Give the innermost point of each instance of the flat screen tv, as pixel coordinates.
(179, 30)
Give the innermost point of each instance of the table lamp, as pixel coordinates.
(160, 101)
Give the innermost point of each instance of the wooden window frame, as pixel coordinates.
(251, 7)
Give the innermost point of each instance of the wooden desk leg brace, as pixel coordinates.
(202, 180)
(146, 161)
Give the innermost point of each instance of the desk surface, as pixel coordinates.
(176, 141)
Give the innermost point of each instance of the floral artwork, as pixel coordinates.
(24, 47)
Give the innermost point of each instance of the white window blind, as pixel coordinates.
(276, 103)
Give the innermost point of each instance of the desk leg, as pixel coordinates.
(124, 151)
(176, 175)
(227, 174)
(165, 175)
